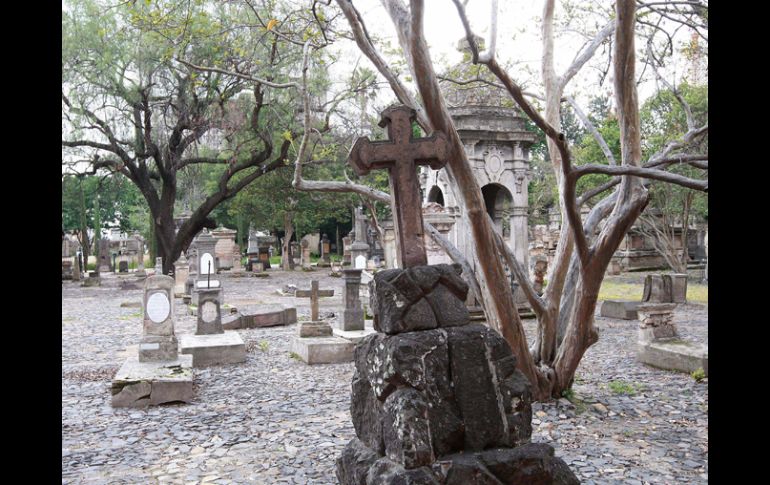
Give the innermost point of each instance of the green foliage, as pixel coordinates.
(621, 387)
(295, 356)
(263, 345)
(698, 374)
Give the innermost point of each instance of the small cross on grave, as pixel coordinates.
(400, 154)
(314, 293)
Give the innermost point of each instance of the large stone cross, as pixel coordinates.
(400, 154)
(313, 294)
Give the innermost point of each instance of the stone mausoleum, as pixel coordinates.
(497, 144)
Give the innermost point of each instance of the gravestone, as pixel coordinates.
(157, 374)
(435, 399)
(326, 250)
(295, 253)
(359, 247)
(159, 265)
(622, 309)
(659, 344)
(76, 269)
(123, 266)
(140, 272)
(237, 264)
(665, 288)
(314, 343)
(305, 254)
(103, 264)
(223, 249)
(263, 256)
(66, 269)
(181, 273)
(205, 245)
(346, 242)
(211, 345)
(352, 317)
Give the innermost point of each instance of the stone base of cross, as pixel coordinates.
(314, 293)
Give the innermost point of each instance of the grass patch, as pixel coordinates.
(624, 388)
(131, 316)
(580, 405)
(263, 345)
(295, 356)
(699, 374)
(612, 290)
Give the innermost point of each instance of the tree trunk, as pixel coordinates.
(287, 261)
(84, 241)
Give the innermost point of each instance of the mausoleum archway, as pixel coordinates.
(498, 201)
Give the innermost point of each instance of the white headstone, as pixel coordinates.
(158, 307)
(361, 262)
(209, 311)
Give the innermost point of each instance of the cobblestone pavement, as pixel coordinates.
(273, 419)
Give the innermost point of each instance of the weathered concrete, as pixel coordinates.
(622, 309)
(213, 349)
(354, 336)
(674, 354)
(323, 350)
(141, 384)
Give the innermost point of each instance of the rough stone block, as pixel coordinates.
(323, 350)
(213, 349)
(420, 298)
(622, 309)
(354, 463)
(141, 384)
(405, 429)
(674, 354)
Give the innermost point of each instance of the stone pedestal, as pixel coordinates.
(141, 384)
(314, 329)
(213, 349)
(352, 316)
(435, 399)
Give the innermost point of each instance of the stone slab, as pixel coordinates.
(323, 350)
(622, 309)
(354, 336)
(314, 329)
(213, 349)
(141, 384)
(674, 354)
(285, 316)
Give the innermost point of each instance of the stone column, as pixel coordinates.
(352, 317)
(519, 239)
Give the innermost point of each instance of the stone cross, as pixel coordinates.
(313, 294)
(400, 154)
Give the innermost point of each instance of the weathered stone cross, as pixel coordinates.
(313, 294)
(400, 154)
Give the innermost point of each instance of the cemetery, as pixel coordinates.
(278, 267)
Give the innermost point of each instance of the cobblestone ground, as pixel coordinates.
(273, 419)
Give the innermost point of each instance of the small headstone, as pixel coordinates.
(209, 312)
(360, 262)
(158, 340)
(123, 267)
(352, 317)
(305, 254)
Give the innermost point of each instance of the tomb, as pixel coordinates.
(314, 343)
(157, 374)
(659, 344)
(223, 250)
(621, 309)
(211, 345)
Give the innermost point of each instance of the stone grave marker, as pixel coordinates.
(305, 254)
(659, 344)
(326, 249)
(123, 266)
(159, 265)
(352, 317)
(359, 247)
(435, 399)
(103, 264)
(314, 293)
(665, 288)
(181, 273)
(157, 374)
